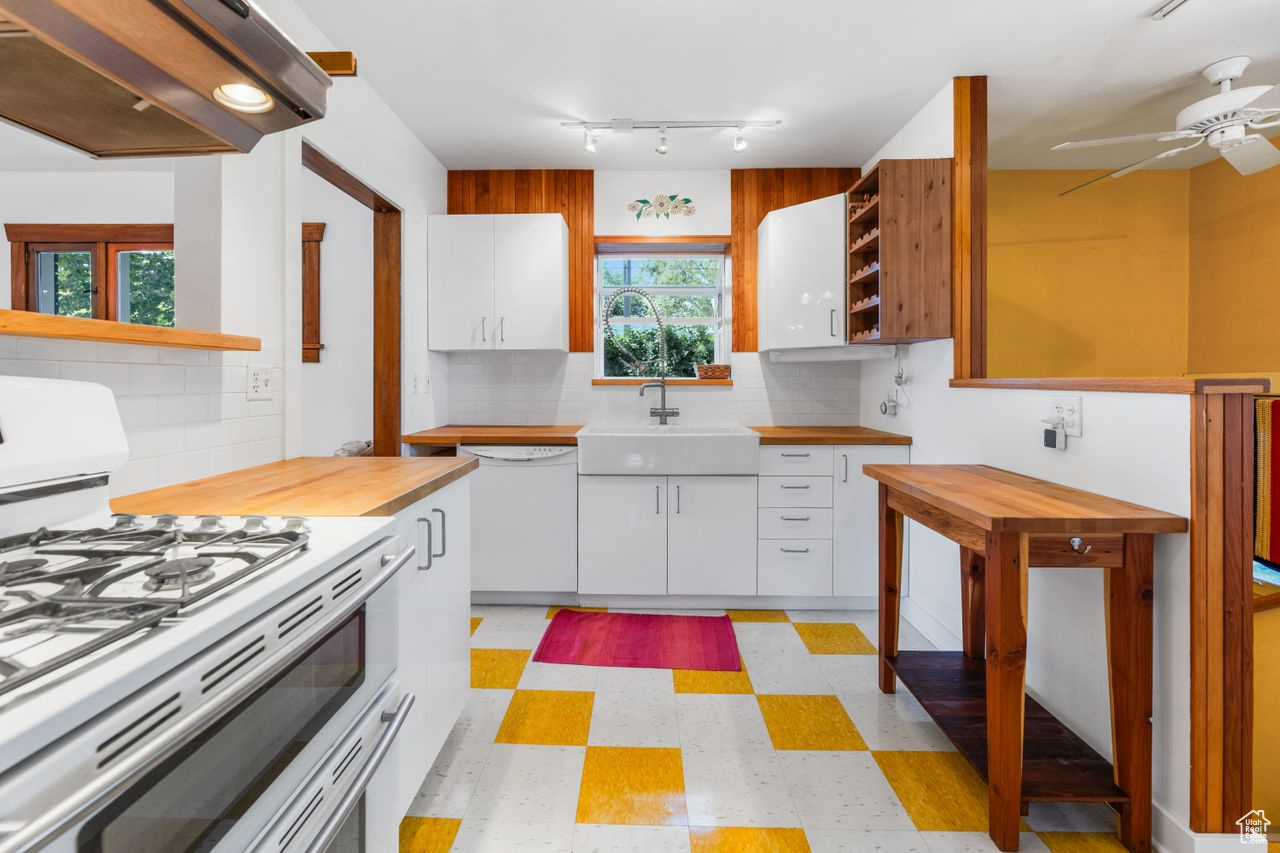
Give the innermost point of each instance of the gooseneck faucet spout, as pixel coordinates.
(661, 412)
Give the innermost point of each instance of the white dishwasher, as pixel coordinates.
(524, 518)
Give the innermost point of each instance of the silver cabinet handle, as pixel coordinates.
(794, 550)
(846, 467)
(796, 487)
(394, 720)
(795, 455)
(484, 339)
(502, 329)
(430, 545)
(444, 533)
(833, 322)
(795, 518)
(657, 499)
(677, 500)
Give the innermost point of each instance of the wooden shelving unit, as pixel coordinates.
(899, 264)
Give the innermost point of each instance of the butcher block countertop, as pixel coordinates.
(454, 435)
(308, 486)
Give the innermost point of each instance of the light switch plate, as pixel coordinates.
(1071, 410)
(259, 383)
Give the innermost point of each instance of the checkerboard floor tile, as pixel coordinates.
(798, 751)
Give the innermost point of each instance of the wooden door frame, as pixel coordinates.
(387, 241)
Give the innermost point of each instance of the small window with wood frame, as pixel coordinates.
(103, 272)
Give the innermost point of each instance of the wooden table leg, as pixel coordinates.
(1129, 605)
(1006, 614)
(972, 567)
(890, 521)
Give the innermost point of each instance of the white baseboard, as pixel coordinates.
(925, 622)
(478, 597)
(1171, 835)
(734, 602)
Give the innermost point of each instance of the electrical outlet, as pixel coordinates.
(259, 383)
(1071, 411)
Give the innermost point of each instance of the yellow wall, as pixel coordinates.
(1095, 284)
(1235, 270)
(1266, 711)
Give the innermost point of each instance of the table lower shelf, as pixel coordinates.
(1057, 765)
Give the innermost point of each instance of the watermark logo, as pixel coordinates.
(1253, 827)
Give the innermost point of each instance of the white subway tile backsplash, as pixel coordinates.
(204, 380)
(136, 412)
(59, 350)
(114, 376)
(156, 441)
(183, 408)
(178, 467)
(200, 436)
(24, 367)
(156, 379)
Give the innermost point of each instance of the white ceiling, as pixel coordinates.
(485, 83)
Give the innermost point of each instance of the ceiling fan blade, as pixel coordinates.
(1163, 136)
(1255, 154)
(1133, 167)
(1268, 101)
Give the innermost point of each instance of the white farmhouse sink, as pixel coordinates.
(672, 449)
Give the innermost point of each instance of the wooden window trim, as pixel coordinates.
(312, 235)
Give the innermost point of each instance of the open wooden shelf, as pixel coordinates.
(1057, 765)
(869, 336)
(867, 243)
(868, 304)
(866, 275)
(34, 325)
(864, 212)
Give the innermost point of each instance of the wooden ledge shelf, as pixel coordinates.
(1057, 765)
(32, 325)
(1127, 384)
(671, 382)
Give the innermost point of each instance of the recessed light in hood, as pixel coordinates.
(243, 98)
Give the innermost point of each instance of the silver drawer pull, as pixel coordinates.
(795, 487)
(795, 518)
(794, 550)
(795, 455)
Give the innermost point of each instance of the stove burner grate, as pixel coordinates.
(179, 573)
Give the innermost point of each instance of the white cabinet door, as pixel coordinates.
(622, 535)
(531, 281)
(855, 502)
(711, 535)
(460, 265)
(804, 275)
(435, 628)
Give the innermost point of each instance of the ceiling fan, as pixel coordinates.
(1223, 120)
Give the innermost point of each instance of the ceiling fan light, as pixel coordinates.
(243, 98)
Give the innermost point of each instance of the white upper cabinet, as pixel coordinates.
(498, 282)
(800, 275)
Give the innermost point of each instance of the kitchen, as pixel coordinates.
(386, 280)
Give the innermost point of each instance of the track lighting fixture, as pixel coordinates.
(740, 141)
(589, 140)
(592, 129)
(661, 147)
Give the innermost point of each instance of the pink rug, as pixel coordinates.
(640, 640)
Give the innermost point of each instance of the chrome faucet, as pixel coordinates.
(661, 412)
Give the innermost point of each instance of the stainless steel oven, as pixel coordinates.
(272, 740)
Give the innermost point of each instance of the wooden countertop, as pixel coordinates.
(307, 485)
(453, 435)
(1001, 501)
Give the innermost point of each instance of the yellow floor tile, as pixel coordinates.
(552, 610)
(428, 834)
(834, 638)
(809, 722)
(632, 785)
(707, 681)
(475, 623)
(1081, 842)
(758, 616)
(741, 839)
(548, 717)
(939, 790)
(500, 668)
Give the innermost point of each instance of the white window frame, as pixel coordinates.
(723, 289)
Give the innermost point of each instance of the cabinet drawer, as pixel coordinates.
(794, 567)
(804, 523)
(813, 460)
(795, 491)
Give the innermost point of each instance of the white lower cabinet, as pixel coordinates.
(795, 567)
(855, 504)
(711, 532)
(435, 628)
(622, 535)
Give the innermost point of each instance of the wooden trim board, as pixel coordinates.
(35, 325)
(1126, 384)
(969, 228)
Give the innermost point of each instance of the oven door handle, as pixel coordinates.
(394, 720)
(37, 833)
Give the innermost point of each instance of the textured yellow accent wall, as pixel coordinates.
(1095, 284)
(1266, 711)
(1235, 270)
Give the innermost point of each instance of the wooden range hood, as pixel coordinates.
(83, 72)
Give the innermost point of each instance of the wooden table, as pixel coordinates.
(1004, 523)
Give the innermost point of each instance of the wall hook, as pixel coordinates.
(1076, 542)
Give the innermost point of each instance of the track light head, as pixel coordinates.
(661, 147)
(740, 141)
(589, 140)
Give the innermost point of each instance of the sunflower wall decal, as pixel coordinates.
(662, 205)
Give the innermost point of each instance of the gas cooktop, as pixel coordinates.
(65, 594)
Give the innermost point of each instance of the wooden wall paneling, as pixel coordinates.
(1221, 610)
(569, 192)
(18, 277)
(91, 233)
(969, 228)
(312, 235)
(386, 332)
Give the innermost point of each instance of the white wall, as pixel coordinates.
(337, 391)
(708, 190)
(929, 133)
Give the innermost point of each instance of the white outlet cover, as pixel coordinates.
(1071, 410)
(258, 385)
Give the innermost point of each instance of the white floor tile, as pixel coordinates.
(558, 676)
(508, 634)
(842, 790)
(1071, 817)
(482, 716)
(636, 681)
(503, 836)
(909, 637)
(850, 674)
(787, 673)
(865, 841)
(894, 721)
(736, 787)
(511, 613)
(831, 615)
(451, 780)
(721, 721)
(597, 838)
(978, 842)
(524, 783)
(633, 719)
(669, 611)
(768, 638)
